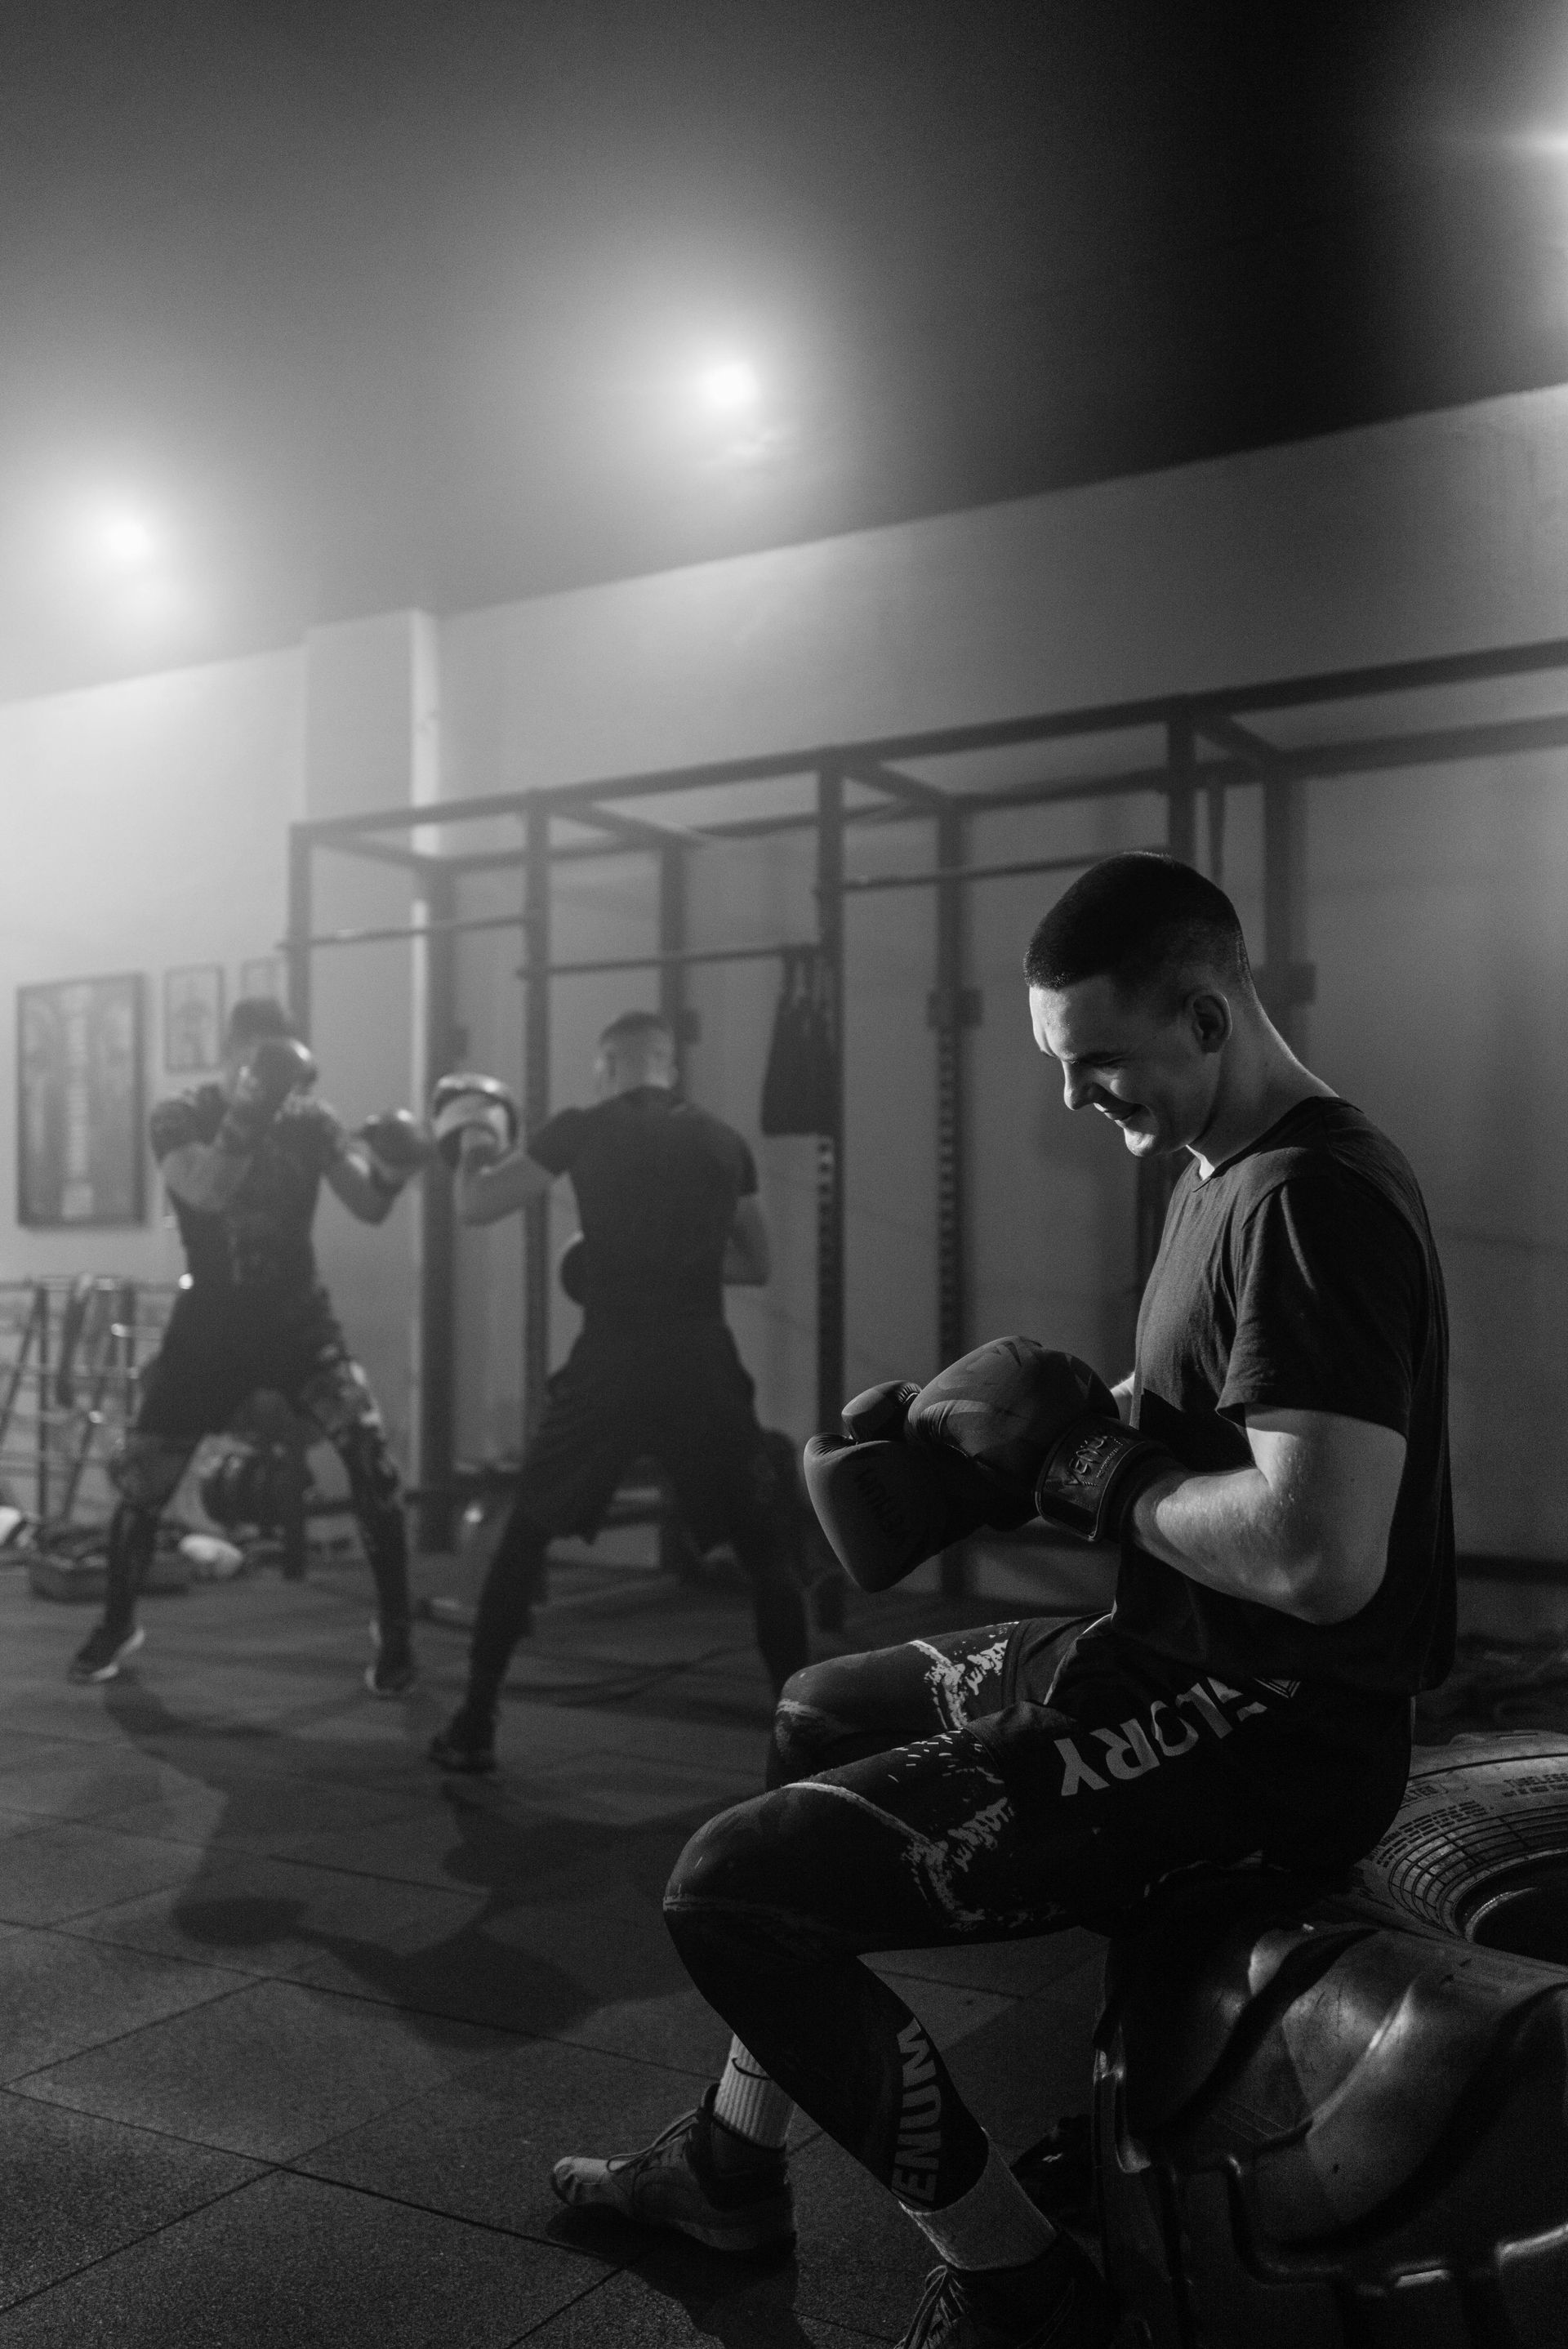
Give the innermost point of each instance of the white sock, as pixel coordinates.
(995, 2225)
(750, 2103)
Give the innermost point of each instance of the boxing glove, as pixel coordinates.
(885, 1505)
(1042, 1427)
(879, 1412)
(274, 1068)
(398, 1147)
(466, 1104)
(570, 1269)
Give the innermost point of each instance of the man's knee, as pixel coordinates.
(719, 1866)
(145, 1469)
(815, 1714)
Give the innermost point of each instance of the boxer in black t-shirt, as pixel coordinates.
(666, 1197)
(1284, 1586)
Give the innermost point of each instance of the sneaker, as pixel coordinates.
(1057, 2302)
(101, 1657)
(674, 2183)
(466, 1742)
(392, 1669)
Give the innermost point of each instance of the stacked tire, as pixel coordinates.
(1334, 2117)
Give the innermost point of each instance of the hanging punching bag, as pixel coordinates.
(798, 1085)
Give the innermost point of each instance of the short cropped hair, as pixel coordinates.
(255, 1016)
(1145, 921)
(640, 1032)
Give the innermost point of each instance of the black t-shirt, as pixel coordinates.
(657, 1183)
(258, 1243)
(1301, 1275)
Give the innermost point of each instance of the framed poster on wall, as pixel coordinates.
(193, 1018)
(81, 1137)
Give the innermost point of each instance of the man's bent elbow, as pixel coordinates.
(1332, 1583)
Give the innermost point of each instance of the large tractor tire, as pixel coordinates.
(1334, 2116)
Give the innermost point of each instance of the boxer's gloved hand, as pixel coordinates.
(467, 1104)
(398, 1147)
(878, 1412)
(884, 1507)
(275, 1067)
(886, 1504)
(1044, 1425)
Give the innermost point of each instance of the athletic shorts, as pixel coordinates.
(1102, 1737)
(218, 1350)
(681, 1395)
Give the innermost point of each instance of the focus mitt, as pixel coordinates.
(465, 1104)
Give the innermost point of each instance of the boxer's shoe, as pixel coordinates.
(1057, 2302)
(674, 2182)
(100, 1655)
(392, 1669)
(466, 1742)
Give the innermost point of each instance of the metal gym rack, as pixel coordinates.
(1205, 746)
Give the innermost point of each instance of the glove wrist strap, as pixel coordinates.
(1094, 1473)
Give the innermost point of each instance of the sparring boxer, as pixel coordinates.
(1272, 1477)
(244, 1161)
(666, 1196)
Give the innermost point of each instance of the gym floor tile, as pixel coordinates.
(278, 1918)
(739, 1754)
(264, 1815)
(270, 2070)
(85, 1782)
(1012, 1968)
(1033, 2064)
(599, 1939)
(73, 1869)
(60, 1994)
(75, 2188)
(457, 1830)
(483, 2147)
(678, 2028)
(858, 2260)
(290, 2261)
(728, 2301)
(601, 1790)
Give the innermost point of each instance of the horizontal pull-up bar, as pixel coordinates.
(405, 930)
(934, 879)
(409, 930)
(666, 961)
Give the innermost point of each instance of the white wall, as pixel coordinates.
(146, 827)
(1436, 533)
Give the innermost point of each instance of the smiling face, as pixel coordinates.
(1153, 1070)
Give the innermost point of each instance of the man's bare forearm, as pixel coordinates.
(490, 1187)
(1234, 1532)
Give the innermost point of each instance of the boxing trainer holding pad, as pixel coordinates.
(1041, 1425)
